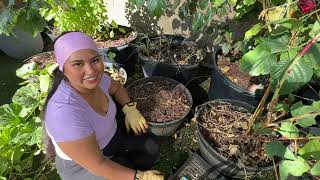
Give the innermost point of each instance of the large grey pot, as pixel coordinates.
(22, 45)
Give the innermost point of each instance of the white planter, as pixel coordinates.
(21, 46)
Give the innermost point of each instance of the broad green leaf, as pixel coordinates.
(311, 149)
(25, 111)
(114, 24)
(297, 74)
(288, 130)
(26, 70)
(156, 7)
(3, 165)
(7, 21)
(315, 30)
(10, 113)
(203, 4)
(45, 81)
(259, 61)
(294, 168)
(248, 2)
(218, 3)
(300, 109)
(51, 68)
(232, 2)
(36, 137)
(289, 23)
(17, 154)
(122, 30)
(275, 13)
(253, 31)
(276, 45)
(275, 148)
(198, 21)
(315, 170)
(282, 106)
(226, 48)
(27, 96)
(312, 56)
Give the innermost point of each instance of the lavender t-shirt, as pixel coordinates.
(69, 117)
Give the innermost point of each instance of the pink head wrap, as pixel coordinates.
(70, 43)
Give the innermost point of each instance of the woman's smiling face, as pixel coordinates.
(84, 70)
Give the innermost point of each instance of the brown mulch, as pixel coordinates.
(232, 70)
(224, 127)
(170, 51)
(160, 100)
(42, 59)
(121, 40)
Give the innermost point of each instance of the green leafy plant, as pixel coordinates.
(89, 16)
(286, 48)
(22, 14)
(20, 125)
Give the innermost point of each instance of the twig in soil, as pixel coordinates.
(259, 109)
(275, 169)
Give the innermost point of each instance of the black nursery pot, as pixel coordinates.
(219, 162)
(126, 55)
(181, 73)
(221, 87)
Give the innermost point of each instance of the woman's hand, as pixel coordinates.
(149, 175)
(134, 119)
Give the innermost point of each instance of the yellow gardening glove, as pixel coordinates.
(133, 119)
(148, 175)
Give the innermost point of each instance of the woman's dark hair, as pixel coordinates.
(57, 78)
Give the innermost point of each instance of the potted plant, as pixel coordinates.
(21, 24)
(164, 103)
(286, 51)
(170, 56)
(89, 16)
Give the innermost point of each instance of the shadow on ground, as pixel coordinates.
(9, 82)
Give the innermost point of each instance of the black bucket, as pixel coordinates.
(217, 161)
(181, 73)
(163, 129)
(221, 87)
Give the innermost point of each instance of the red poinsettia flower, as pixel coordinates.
(306, 6)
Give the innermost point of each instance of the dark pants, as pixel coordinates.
(136, 152)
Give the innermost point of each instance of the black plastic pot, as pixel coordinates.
(126, 54)
(223, 88)
(181, 73)
(168, 128)
(217, 161)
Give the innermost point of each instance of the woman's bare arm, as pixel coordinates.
(119, 92)
(86, 153)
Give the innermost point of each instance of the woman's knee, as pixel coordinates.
(152, 147)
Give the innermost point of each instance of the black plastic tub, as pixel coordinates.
(218, 162)
(221, 87)
(181, 73)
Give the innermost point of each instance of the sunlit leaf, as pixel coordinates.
(300, 109)
(294, 168)
(253, 31)
(45, 81)
(288, 130)
(258, 61)
(311, 149)
(315, 170)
